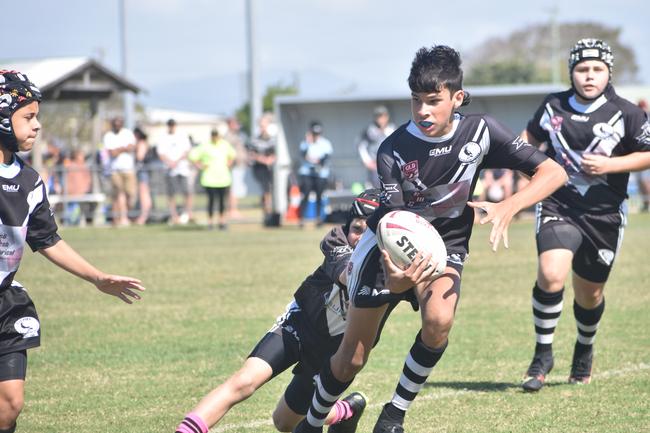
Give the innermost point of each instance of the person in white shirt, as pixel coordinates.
(173, 149)
(314, 170)
(120, 144)
(371, 138)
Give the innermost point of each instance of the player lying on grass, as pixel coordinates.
(429, 166)
(599, 138)
(25, 217)
(305, 335)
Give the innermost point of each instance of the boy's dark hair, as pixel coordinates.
(436, 68)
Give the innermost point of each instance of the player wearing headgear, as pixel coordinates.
(25, 217)
(309, 331)
(598, 137)
(430, 166)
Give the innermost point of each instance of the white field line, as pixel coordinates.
(633, 369)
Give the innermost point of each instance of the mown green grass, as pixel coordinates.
(109, 367)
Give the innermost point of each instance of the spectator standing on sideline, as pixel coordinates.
(314, 170)
(371, 138)
(237, 139)
(120, 144)
(142, 173)
(173, 148)
(261, 156)
(78, 181)
(215, 160)
(497, 184)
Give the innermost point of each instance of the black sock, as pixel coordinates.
(9, 430)
(394, 413)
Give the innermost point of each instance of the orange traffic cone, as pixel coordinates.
(293, 210)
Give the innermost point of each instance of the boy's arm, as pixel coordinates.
(62, 255)
(390, 177)
(548, 177)
(597, 165)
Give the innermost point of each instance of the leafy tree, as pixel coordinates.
(243, 113)
(525, 55)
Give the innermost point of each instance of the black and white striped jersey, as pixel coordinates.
(322, 298)
(25, 216)
(435, 176)
(609, 126)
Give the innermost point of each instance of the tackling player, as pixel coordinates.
(429, 166)
(307, 333)
(598, 137)
(25, 217)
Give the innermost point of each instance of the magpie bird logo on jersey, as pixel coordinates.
(469, 152)
(603, 130)
(10, 188)
(606, 256)
(27, 326)
(644, 137)
(410, 170)
(556, 123)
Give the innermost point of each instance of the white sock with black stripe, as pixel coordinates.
(587, 322)
(417, 367)
(328, 390)
(547, 308)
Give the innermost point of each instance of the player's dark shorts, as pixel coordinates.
(13, 366)
(292, 342)
(594, 238)
(177, 185)
(19, 324)
(365, 274)
(263, 175)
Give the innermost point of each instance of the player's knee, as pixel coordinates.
(10, 408)
(551, 280)
(244, 384)
(435, 330)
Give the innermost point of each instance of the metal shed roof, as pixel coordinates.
(71, 78)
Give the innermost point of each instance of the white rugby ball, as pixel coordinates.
(404, 234)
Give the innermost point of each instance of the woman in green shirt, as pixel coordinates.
(215, 159)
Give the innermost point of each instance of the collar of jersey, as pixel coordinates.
(415, 131)
(9, 171)
(587, 108)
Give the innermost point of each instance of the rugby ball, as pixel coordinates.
(404, 234)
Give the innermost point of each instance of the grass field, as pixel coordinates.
(105, 366)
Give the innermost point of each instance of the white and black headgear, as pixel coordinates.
(15, 91)
(363, 206)
(591, 49)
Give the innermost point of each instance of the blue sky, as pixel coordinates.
(191, 54)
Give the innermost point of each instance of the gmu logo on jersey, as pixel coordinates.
(10, 188)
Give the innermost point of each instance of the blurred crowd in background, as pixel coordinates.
(134, 178)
